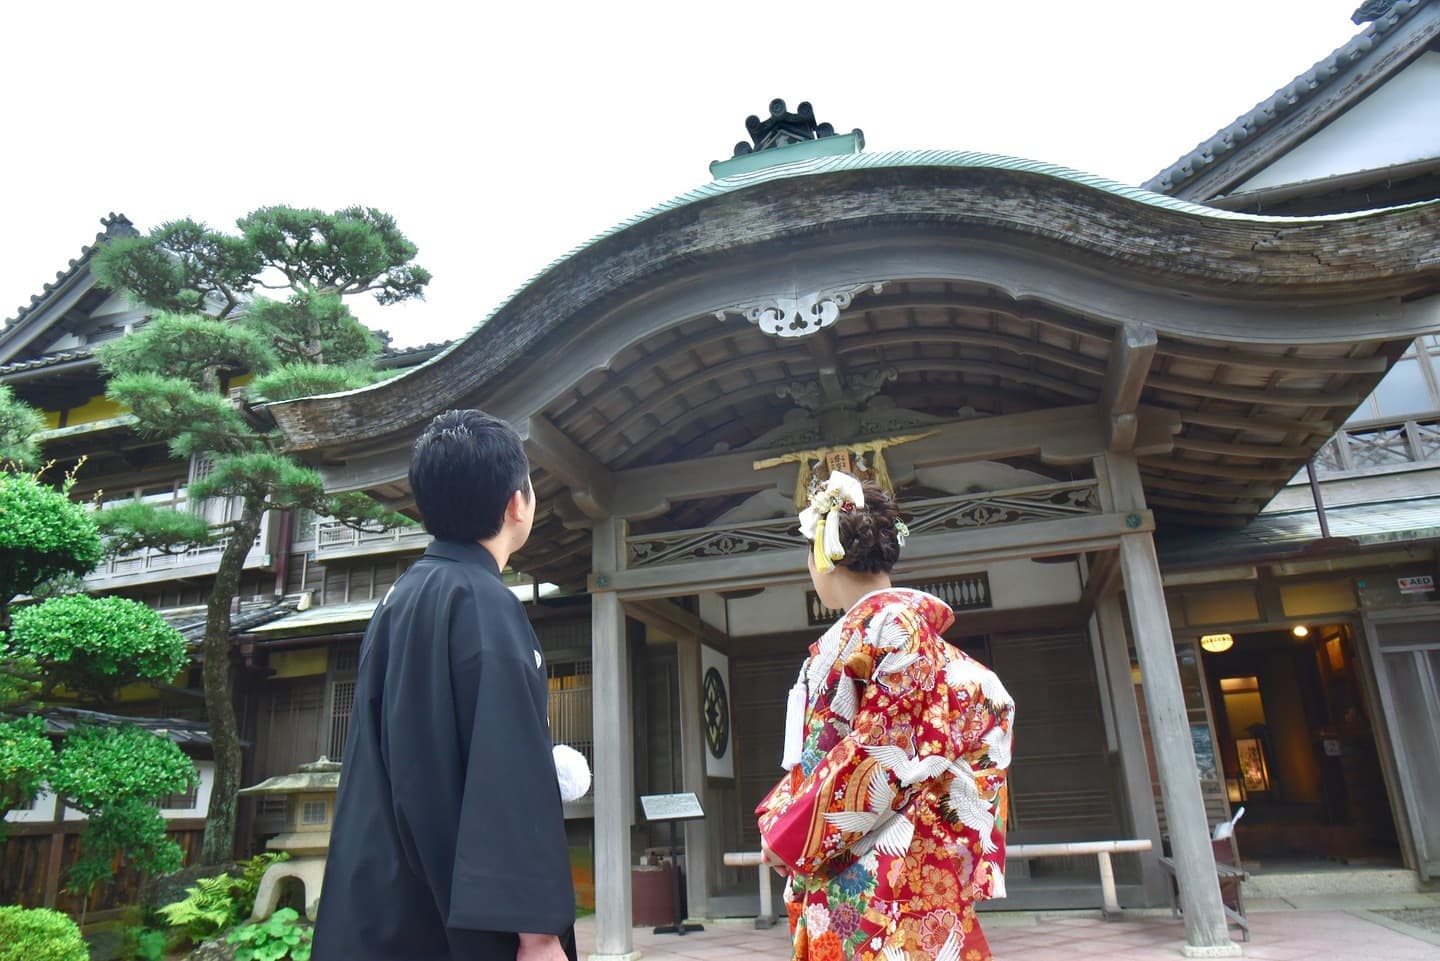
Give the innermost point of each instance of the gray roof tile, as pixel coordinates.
(1282, 102)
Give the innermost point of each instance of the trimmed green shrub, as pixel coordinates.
(43, 534)
(39, 934)
(96, 644)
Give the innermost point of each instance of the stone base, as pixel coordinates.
(631, 956)
(1231, 950)
(310, 872)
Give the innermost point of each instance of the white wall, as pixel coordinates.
(43, 810)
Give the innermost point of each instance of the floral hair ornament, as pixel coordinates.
(901, 532)
(820, 522)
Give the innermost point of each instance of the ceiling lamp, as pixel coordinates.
(1217, 643)
(1300, 630)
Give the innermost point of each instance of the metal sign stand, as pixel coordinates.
(674, 808)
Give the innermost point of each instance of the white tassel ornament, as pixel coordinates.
(572, 771)
(795, 706)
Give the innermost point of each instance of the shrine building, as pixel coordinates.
(1054, 373)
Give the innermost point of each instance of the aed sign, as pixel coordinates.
(1418, 584)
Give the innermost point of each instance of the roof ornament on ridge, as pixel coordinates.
(783, 128)
(785, 137)
(1371, 10)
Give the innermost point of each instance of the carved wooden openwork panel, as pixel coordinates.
(937, 515)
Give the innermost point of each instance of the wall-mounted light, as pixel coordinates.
(1300, 630)
(1217, 643)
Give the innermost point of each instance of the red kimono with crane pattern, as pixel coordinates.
(892, 823)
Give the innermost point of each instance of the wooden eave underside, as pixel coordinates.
(1250, 418)
(1264, 336)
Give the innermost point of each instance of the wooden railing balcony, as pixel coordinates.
(149, 565)
(1373, 447)
(334, 540)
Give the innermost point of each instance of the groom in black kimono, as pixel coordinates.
(449, 839)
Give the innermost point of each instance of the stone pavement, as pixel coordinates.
(1299, 929)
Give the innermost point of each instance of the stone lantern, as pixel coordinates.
(309, 814)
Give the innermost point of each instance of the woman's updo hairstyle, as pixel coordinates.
(871, 542)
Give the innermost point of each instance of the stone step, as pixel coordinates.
(1361, 881)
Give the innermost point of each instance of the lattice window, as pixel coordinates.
(342, 698)
(571, 717)
(182, 800)
(314, 812)
(968, 592)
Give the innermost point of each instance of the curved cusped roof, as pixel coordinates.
(972, 285)
(1222, 276)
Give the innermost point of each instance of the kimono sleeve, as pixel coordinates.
(874, 770)
(978, 794)
(512, 867)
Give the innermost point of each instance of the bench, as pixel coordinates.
(1100, 849)
(1232, 878)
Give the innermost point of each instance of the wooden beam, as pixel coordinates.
(1058, 435)
(1102, 576)
(1208, 471)
(1258, 425)
(964, 336)
(1131, 351)
(1374, 364)
(1276, 397)
(1252, 491)
(1206, 507)
(831, 373)
(927, 555)
(670, 618)
(1229, 449)
(390, 467)
(589, 481)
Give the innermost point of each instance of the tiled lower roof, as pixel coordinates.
(190, 621)
(61, 720)
(48, 360)
(1284, 101)
(389, 355)
(1356, 526)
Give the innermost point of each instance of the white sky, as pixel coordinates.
(502, 135)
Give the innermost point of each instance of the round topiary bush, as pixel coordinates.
(39, 934)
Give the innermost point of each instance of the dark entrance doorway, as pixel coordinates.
(1297, 745)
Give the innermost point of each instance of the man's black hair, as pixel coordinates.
(464, 470)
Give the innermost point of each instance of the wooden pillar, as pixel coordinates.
(692, 768)
(1130, 738)
(1206, 935)
(614, 752)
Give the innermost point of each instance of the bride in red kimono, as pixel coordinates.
(890, 820)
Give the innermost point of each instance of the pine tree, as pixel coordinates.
(214, 319)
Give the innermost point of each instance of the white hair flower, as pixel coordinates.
(820, 522)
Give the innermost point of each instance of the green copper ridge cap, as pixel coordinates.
(950, 159)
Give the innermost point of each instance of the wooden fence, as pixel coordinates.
(35, 860)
